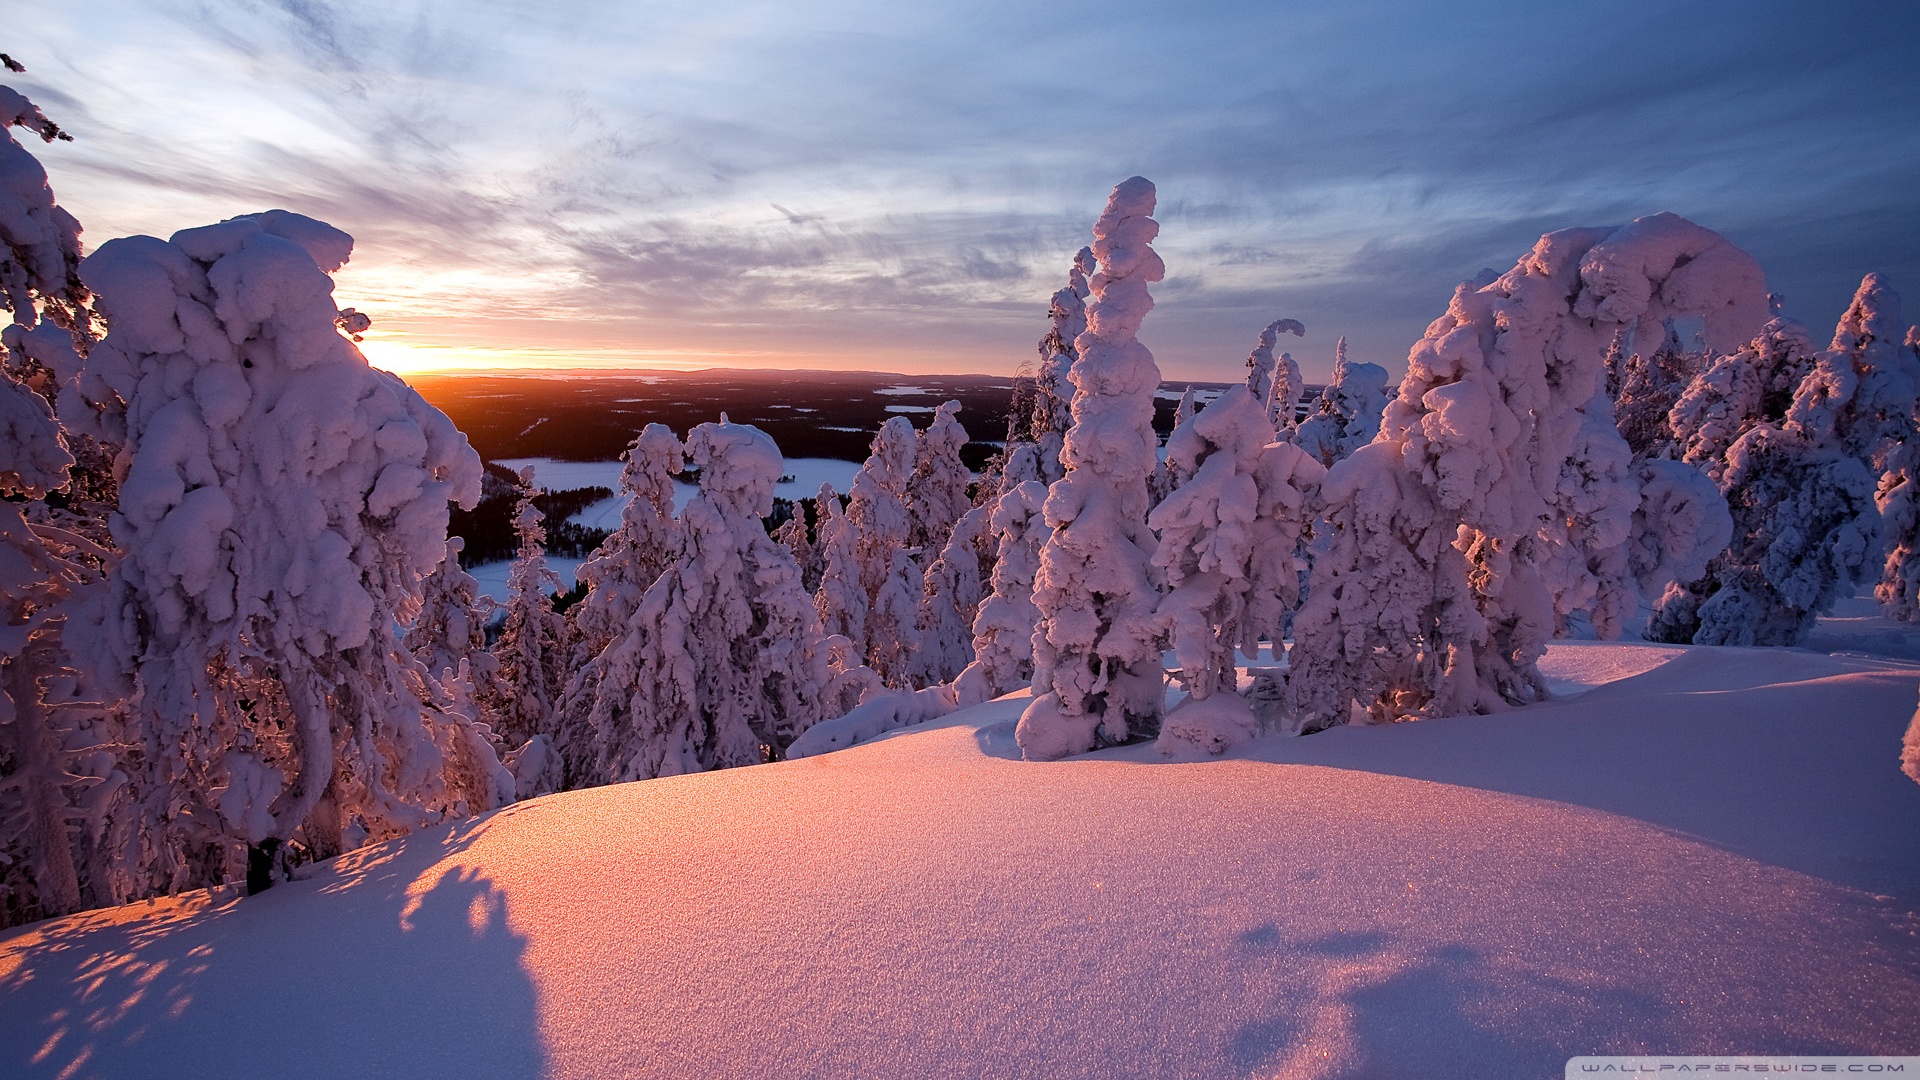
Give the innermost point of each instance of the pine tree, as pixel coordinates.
(1097, 675)
(1206, 531)
(937, 492)
(1347, 416)
(282, 501)
(1172, 469)
(1059, 349)
(1276, 382)
(450, 628)
(951, 602)
(1434, 594)
(64, 842)
(725, 663)
(532, 647)
(870, 589)
(1750, 386)
(1806, 527)
(1650, 386)
(1898, 499)
(635, 554)
(1003, 626)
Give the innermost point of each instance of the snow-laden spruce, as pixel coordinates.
(39, 241)
(723, 663)
(937, 491)
(1003, 626)
(634, 555)
(1276, 381)
(1053, 390)
(1806, 527)
(65, 841)
(1097, 676)
(1910, 749)
(1173, 468)
(952, 601)
(870, 587)
(1347, 416)
(1217, 542)
(532, 647)
(1898, 499)
(617, 577)
(450, 627)
(281, 502)
(1435, 593)
(1752, 385)
(793, 535)
(1651, 384)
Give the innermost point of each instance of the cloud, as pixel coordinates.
(919, 177)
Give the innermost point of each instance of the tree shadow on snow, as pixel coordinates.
(389, 964)
(1778, 755)
(1358, 1005)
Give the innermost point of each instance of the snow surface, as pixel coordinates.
(1715, 853)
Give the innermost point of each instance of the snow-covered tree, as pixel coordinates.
(1347, 416)
(724, 663)
(1206, 553)
(937, 491)
(1752, 385)
(450, 627)
(1277, 382)
(1435, 591)
(1288, 481)
(532, 647)
(67, 838)
(282, 501)
(1003, 626)
(1097, 676)
(634, 555)
(1806, 527)
(951, 602)
(1898, 499)
(1910, 749)
(64, 838)
(1650, 385)
(39, 241)
(810, 548)
(870, 588)
(792, 535)
(1053, 391)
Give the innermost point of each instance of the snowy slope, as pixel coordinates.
(1712, 850)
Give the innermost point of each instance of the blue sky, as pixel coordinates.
(843, 184)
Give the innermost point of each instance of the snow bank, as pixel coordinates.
(1715, 854)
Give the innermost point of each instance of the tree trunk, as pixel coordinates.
(261, 858)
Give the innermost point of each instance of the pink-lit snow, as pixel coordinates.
(1707, 850)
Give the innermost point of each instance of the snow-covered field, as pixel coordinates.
(1693, 850)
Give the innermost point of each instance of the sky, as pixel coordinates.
(901, 187)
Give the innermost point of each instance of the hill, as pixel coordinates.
(1698, 850)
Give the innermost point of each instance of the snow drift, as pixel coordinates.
(1715, 853)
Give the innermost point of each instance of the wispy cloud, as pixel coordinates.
(897, 184)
